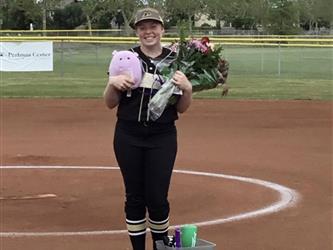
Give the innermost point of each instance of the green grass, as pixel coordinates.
(273, 89)
(255, 73)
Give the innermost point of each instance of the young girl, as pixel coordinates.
(145, 149)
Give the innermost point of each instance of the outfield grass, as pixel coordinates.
(255, 73)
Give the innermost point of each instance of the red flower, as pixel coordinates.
(205, 40)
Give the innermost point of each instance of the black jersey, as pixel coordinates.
(135, 107)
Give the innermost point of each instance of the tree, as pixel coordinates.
(241, 14)
(218, 9)
(88, 8)
(69, 17)
(18, 14)
(312, 13)
(260, 13)
(283, 17)
(324, 11)
(3, 12)
(157, 4)
(123, 11)
(47, 6)
(188, 8)
(97, 11)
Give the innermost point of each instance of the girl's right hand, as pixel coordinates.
(121, 82)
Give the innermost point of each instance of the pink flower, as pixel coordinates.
(174, 46)
(198, 45)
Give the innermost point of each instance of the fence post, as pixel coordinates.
(62, 58)
(96, 52)
(262, 58)
(279, 61)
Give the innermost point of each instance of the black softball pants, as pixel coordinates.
(146, 154)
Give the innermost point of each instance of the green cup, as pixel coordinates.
(189, 235)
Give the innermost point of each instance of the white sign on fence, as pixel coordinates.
(26, 56)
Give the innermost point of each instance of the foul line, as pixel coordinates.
(28, 197)
(288, 198)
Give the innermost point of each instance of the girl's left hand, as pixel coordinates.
(181, 81)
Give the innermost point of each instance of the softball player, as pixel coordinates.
(146, 150)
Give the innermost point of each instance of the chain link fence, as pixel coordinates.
(82, 67)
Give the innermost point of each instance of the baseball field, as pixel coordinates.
(253, 171)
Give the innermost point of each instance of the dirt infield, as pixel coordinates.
(283, 142)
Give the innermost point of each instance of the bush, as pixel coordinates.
(69, 17)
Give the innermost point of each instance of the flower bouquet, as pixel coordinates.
(198, 60)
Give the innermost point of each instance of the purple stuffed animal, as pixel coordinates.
(126, 62)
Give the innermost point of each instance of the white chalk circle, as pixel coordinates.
(287, 198)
